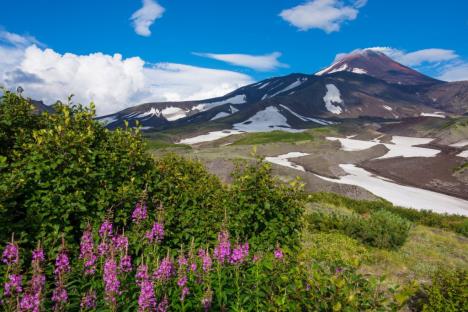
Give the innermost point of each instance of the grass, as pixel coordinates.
(425, 250)
(155, 144)
(273, 137)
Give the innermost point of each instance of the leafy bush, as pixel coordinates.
(64, 169)
(381, 229)
(456, 223)
(262, 209)
(447, 292)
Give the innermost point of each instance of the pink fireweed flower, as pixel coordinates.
(182, 260)
(193, 267)
(37, 283)
(120, 242)
(88, 301)
(146, 300)
(13, 285)
(38, 255)
(10, 254)
(86, 244)
(239, 253)
(103, 248)
(207, 300)
(30, 302)
(184, 293)
(62, 263)
(223, 250)
(163, 306)
(111, 281)
(278, 253)
(165, 270)
(60, 295)
(206, 260)
(125, 264)
(105, 229)
(156, 234)
(140, 213)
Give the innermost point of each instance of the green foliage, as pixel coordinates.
(262, 209)
(447, 292)
(456, 223)
(273, 137)
(65, 169)
(153, 144)
(380, 229)
(193, 199)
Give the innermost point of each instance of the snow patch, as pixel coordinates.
(387, 107)
(436, 114)
(220, 115)
(303, 118)
(173, 113)
(283, 160)
(233, 109)
(264, 85)
(463, 154)
(212, 136)
(461, 143)
(151, 113)
(108, 120)
(400, 195)
(333, 96)
(359, 71)
(268, 119)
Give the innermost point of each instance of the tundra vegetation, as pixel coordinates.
(90, 221)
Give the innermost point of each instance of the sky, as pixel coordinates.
(126, 52)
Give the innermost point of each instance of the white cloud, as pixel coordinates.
(111, 81)
(265, 62)
(327, 15)
(145, 17)
(454, 72)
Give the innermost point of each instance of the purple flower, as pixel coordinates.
(37, 283)
(10, 254)
(163, 305)
(38, 255)
(86, 244)
(88, 301)
(105, 229)
(120, 242)
(165, 270)
(146, 300)
(278, 253)
(126, 264)
(140, 213)
(182, 261)
(13, 286)
(223, 250)
(193, 267)
(30, 302)
(111, 281)
(240, 253)
(207, 300)
(182, 281)
(184, 293)
(156, 233)
(62, 263)
(103, 248)
(60, 295)
(90, 264)
(206, 260)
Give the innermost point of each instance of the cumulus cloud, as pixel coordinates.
(145, 17)
(111, 81)
(454, 72)
(327, 15)
(265, 62)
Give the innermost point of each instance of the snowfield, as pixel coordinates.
(435, 114)
(268, 119)
(283, 160)
(212, 136)
(461, 143)
(220, 115)
(333, 96)
(400, 146)
(173, 113)
(400, 195)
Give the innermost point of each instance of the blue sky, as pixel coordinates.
(239, 41)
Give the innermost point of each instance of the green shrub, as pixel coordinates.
(262, 209)
(380, 229)
(455, 223)
(447, 292)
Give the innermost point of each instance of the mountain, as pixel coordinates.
(380, 66)
(363, 84)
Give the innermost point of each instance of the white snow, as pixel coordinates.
(399, 146)
(303, 118)
(220, 115)
(341, 68)
(268, 119)
(461, 143)
(237, 99)
(264, 96)
(233, 109)
(212, 136)
(333, 96)
(435, 114)
(283, 160)
(152, 112)
(293, 85)
(387, 107)
(400, 195)
(264, 85)
(172, 113)
(359, 71)
(463, 154)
